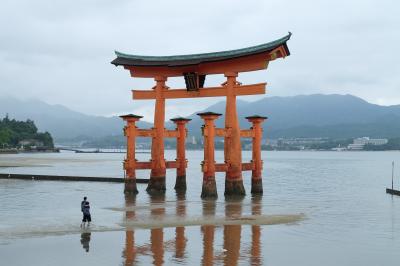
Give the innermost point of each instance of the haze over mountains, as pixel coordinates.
(60, 121)
(317, 115)
(335, 116)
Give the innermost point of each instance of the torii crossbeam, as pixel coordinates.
(194, 68)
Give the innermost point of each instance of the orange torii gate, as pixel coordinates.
(194, 68)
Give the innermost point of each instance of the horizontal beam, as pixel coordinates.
(143, 165)
(240, 90)
(252, 89)
(171, 134)
(220, 132)
(168, 164)
(221, 167)
(171, 164)
(246, 133)
(248, 166)
(145, 132)
(152, 133)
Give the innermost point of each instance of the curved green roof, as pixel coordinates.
(192, 59)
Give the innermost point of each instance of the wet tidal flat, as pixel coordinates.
(318, 208)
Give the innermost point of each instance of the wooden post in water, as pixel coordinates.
(130, 161)
(256, 173)
(393, 191)
(392, 173)
(180, 183)
(209, 189)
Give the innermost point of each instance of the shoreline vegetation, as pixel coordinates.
(23, 136)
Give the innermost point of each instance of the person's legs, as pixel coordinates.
(89, 219)
(83, 221)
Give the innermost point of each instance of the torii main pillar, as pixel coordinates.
(232, 144)
(158, 166)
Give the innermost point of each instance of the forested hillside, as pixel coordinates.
(15, 133)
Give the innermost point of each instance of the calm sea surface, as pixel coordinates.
(318, 208)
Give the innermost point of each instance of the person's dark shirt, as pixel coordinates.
(86, 208)
(83, 204)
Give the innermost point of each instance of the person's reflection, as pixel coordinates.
(232, 233)
(130, 251)
(208, 233)
(85, 240)
(157, 234)
(180, 240)
(256, 233)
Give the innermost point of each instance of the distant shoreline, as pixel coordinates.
(15, 151)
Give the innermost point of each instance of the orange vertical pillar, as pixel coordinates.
(130, 161)
(158, 167)
(256, 174)
(180, 184)
(232, 145)
(209, 189)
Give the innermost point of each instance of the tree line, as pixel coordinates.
(12, 132)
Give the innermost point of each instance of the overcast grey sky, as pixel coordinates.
(60, 51)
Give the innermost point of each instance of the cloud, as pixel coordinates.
(60, 51)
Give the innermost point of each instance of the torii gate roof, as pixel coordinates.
(196, 59)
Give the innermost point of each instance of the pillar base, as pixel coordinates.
(209, 189)
(180, 183)
(234, 188)
(256, 186)
(130, 187)
(156, 185)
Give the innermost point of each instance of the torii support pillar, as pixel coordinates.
(180, 184)
(232, 145)
(256, 174)
(158, 167)
(130, 161)
(209, 189)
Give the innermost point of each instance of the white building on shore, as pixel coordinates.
(359, 143)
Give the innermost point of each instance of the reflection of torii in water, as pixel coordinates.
(231, 234)
(157, 245)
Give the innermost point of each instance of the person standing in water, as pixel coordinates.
(83, 203)
(85, 208)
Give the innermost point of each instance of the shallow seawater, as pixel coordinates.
(318, 208)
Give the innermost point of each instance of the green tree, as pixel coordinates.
(13, 131)
(5, 137)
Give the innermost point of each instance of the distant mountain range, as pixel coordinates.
(317, 115)
(61, 122)
(335, 116)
